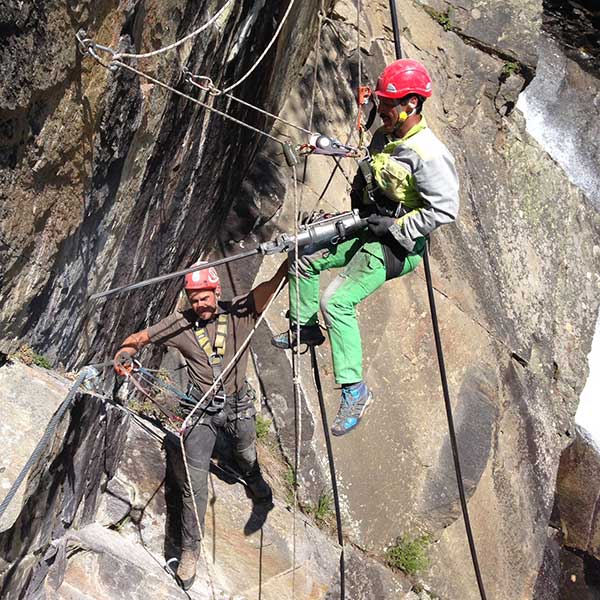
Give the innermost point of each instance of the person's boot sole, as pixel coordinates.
(186, 584)
(288, 345)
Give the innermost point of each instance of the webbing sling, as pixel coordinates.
(215, 352)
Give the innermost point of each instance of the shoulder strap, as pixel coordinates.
(216, 352)
(221, 335)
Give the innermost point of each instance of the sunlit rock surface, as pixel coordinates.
(106, 179)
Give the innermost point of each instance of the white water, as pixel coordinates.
(562, 109)
(554, 111)
(587, 417)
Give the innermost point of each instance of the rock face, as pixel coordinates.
(571, 569)
(126, 181)
(99, 517)
(578, 495)
(516, 292)
(562, 82)
(62, 490)
(121, 178)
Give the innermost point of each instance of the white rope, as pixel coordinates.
(316, 68)
(181, 41)
(260, 58)
(296, 382)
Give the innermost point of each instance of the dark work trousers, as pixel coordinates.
(199, 443)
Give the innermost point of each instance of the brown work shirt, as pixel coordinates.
(178, 331)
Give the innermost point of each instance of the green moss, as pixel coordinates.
(28, 356)
(408, 554)
(41, 361)
(443, 18)
(263, 426)
(509, 68)
(143, 407)
(322, 512)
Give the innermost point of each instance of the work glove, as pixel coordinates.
(123, 363)
(380, 225)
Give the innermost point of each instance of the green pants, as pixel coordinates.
(364, 272)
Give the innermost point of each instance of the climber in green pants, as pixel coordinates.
(408, 188)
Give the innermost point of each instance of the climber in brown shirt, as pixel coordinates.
(208, 335)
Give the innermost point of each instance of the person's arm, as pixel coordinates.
(263, 292)
(128, 349)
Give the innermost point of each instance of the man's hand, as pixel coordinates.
(123, 363)
(380, 225)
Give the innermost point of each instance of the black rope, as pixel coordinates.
(394, 15)
(451, 430)
(442, 367)
(334, 487)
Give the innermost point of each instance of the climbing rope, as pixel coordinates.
(206, 25)
(265, 51)
(442, 367)
(296, 380)
(332, 473)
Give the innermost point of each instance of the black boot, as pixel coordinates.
(310, 335)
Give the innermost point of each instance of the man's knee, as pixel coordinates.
(335, 303)
(246, 457)
(308, 264)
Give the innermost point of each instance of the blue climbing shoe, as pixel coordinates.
(310, 335)
(355, 399)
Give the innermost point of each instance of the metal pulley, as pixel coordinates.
(319, 143)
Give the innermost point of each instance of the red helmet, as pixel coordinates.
(203, 279)
(403, 77)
